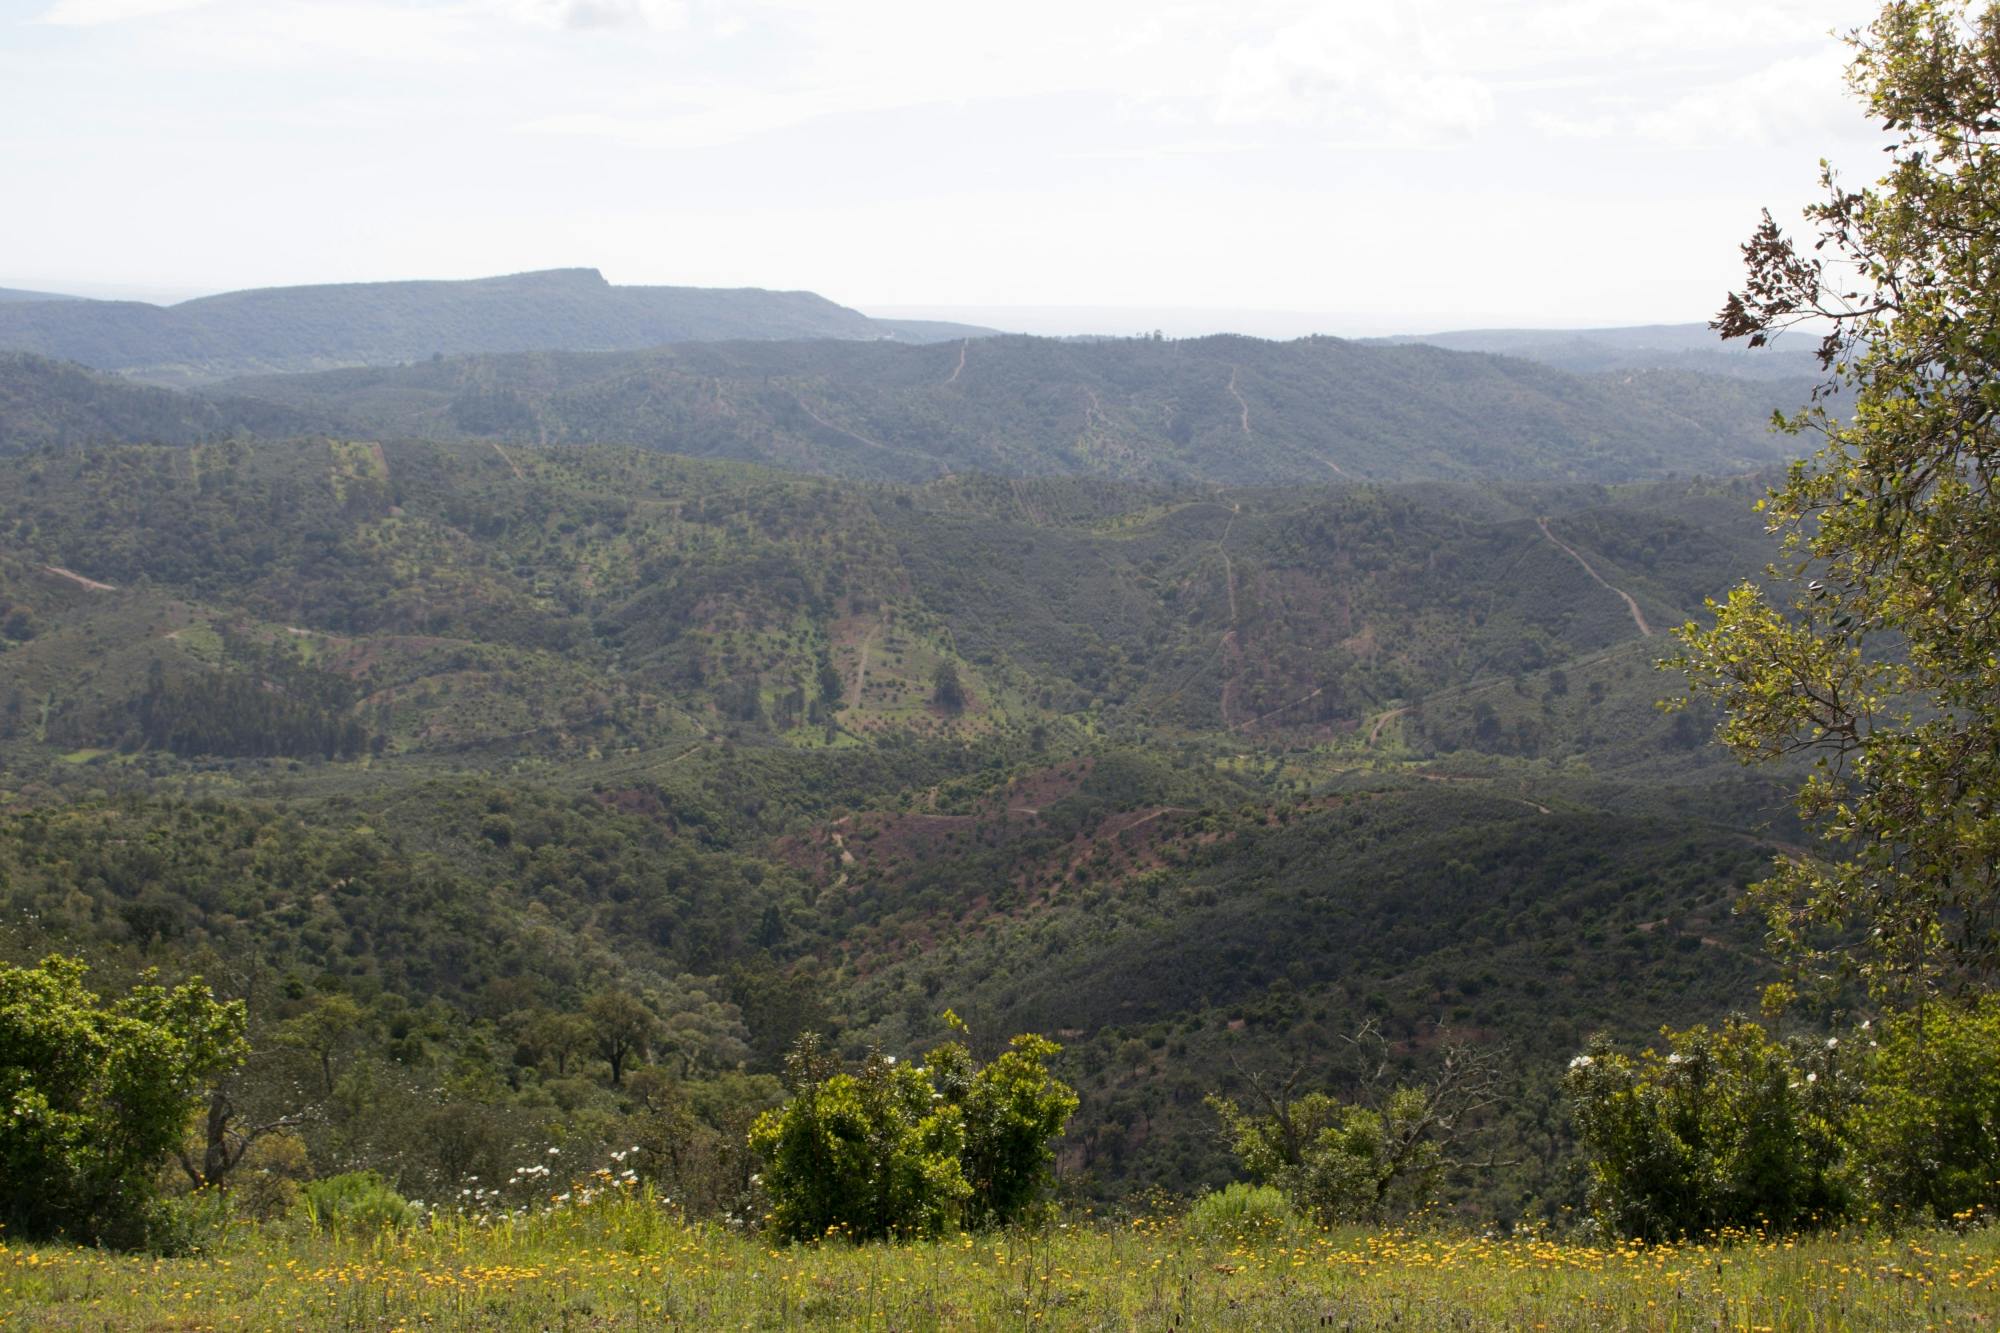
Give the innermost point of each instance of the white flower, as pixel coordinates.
(553, 1152)
(1582, 1062)
(1832, 1042)
(1812, 1078)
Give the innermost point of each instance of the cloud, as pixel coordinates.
(1369, 72)
(1801, 98)
(96, 13)
(581, 15)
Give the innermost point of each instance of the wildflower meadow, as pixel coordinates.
(611, 1254)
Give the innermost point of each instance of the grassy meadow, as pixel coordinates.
(625, 1260)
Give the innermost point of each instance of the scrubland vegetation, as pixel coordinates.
(467, 883)
(626, 1260)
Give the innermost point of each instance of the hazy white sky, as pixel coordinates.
(1378, 165)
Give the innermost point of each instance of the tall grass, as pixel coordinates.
(626, 1260)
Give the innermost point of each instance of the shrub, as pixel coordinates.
(266, 1185)
(359, 1201)
(903, 1150)
(1729, 1128)
(867, 1156)
(1240, 1210)
(94, 1095)
(1371, 1159)
(1925, 1138)
(1013, 1110)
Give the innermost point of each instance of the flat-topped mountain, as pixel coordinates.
(278, 329)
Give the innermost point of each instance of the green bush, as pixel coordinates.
(1240, 1210)
(1925, 1138)
(1013, 1111)
(94, 1095)
(356, 1201)
(1729, 1128)
(866, 1156)
(910, 1150)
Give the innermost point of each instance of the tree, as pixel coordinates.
(1876, 648)
(1367, 1159)
(556, 1036)
(224, 1140)
(1013, 1111)
(623, 1027)
(95, 1095)
(326, 1028)
(702, 1031)
(947, 691)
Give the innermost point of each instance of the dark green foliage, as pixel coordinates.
(1728, 1129)
(619, 737)
(861, 1156)
(227, 713)
(901, 1150)
(95, 1095)
(1926, 1134)
(947, 691)
(1014, 1109)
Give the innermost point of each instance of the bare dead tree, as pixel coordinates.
(225, 1140)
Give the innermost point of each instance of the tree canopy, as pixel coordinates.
(1875, 650)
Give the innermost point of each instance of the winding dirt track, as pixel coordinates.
(842, 430)
(1638, 617)
(78, 579)
(959, 369)
(518, 474)
(1240, 403)
(1304, 698)
(1375, 732)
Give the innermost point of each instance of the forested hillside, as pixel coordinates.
(310, 328)
(468, 733)
(1238, 411)
(59, 403)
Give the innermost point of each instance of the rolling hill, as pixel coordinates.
(1690, 348)
(58, 403)
(1229, 410)
(467, 729)
(16, 294)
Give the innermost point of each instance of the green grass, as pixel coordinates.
(626, 1261)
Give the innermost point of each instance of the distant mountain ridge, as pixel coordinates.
(8, 294)
(1225, 409)
(1684, 347)
(293, 329)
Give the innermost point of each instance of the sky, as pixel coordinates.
(1271, 166)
